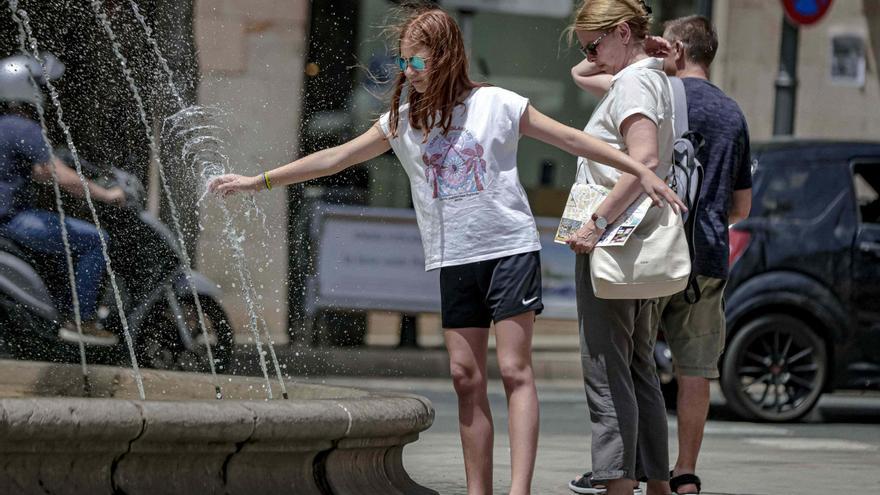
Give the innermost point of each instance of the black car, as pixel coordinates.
(803, 298)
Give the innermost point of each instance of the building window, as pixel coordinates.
(848, 60)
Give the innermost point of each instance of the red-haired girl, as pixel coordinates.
(458, 140)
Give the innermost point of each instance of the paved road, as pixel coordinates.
(837, 450)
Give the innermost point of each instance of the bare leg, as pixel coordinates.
(514, 346)
(622, 486)
(657, 487)
(693, 408)
(467, 363)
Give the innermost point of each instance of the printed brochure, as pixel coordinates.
(583, 201)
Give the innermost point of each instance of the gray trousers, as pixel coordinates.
(629, 432)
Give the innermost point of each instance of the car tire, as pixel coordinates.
(774, 369)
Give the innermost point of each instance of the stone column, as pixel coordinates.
(251, 56)
(175, 33)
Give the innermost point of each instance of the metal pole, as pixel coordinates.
(786, 81)
(704, 8)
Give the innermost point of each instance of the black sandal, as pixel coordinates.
(675, 482)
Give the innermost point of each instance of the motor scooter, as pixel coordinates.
(152, 279)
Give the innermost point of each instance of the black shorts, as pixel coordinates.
(476, 294)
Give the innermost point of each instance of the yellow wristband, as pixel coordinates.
(268, 182)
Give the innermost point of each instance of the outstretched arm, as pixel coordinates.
(537, 125)
(322, 163)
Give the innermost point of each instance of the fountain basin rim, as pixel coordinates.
(84, 420)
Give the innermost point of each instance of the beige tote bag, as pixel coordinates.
(654, 262)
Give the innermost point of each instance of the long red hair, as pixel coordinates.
(434, 29)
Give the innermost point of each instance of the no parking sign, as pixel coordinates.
(805, 12)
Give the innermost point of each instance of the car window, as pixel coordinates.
(801, 192)
(866, 178)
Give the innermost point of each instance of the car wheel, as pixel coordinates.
(774, 369)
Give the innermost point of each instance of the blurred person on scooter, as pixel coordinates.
(26, 158)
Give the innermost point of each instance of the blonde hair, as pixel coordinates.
(602, 15)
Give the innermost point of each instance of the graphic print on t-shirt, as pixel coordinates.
(454, 164)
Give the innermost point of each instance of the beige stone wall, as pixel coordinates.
(748, 58)
(251, 55)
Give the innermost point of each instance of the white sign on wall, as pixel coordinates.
(847, 56)
(372, 258)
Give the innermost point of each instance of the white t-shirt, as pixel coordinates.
(640, 88)
(469, 203)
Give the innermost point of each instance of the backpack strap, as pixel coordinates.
(680, 108)
(692, 292)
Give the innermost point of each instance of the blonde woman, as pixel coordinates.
(629, 434)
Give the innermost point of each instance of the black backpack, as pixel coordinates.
(686, 175)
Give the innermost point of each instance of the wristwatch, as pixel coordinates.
(600, 222)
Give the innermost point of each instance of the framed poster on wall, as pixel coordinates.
(371, 258)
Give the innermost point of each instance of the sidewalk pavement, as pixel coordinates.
(840, 454)
(836, 450)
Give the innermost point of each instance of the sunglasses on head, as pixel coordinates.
(591, 49)
(417, 63)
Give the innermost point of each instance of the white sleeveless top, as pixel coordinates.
(469, 203)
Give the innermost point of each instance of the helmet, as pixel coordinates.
(16, 73)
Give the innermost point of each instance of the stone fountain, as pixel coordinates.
(322, 440)
(57, 439)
